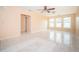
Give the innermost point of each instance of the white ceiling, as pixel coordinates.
(60, 10)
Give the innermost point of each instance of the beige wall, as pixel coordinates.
(77, 22)
(10, 21)
(77, 25)
(36, 19)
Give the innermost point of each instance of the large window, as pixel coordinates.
(51, 23)
(58, 22)
(67, 22)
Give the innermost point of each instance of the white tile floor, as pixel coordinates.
(50, 41)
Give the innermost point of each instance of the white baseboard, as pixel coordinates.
(10, 36)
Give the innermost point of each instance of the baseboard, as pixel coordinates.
(10, 36)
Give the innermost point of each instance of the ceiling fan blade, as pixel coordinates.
(51, 9)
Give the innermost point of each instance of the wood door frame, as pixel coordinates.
(28, 23)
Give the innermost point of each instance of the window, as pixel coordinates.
(58, 22)
(67, 22)
(51, 23)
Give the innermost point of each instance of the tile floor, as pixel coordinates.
(50, 41)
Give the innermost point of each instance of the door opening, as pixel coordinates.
(25, 23)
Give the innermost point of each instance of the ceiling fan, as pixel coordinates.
(48, 10)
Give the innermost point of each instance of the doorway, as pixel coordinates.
(25, 23)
